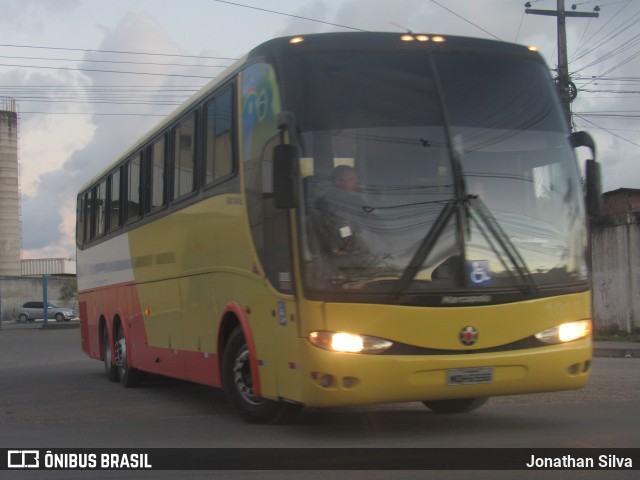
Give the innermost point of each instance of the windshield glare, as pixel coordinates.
(381, 202)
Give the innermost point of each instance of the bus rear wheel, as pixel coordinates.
(238, 386)
(457, 405)
(110, 368)
(129, 377)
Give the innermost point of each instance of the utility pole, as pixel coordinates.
(568, 91)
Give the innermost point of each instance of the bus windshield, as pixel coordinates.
(435, 173)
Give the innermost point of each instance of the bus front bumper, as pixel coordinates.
(334, 379)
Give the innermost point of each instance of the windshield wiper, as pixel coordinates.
(494, 229)
(425, 248)
(506, 245)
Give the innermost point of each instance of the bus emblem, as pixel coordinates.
(468, 336)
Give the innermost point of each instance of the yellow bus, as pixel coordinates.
(345, 219)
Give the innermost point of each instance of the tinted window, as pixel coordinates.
(219, 141)
(133, 167)
(114, 202)
(184, 140)
(100, 210)
(89, 215)
(80, 218)
(158, 156)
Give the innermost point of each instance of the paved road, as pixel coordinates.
(53, 396)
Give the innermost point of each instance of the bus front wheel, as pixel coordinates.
(458, 405)
(238, 386)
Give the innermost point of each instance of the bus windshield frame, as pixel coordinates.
(458, 176)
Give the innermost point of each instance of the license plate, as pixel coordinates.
(469, 376)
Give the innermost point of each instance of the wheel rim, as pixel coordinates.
(242, 377)
(121, 353)
(108, 357)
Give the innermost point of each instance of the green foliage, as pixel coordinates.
(69, 290)
(614, 332)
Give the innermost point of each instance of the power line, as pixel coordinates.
(116, 51)
(91, 114)
(608, 131)
(465, 19)
(112, 61)
(602, 27)
(235, 4)
(107, 71)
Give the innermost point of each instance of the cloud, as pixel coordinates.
(48, 213)
(32, 14)
(65, 151)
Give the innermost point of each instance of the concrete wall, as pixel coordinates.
(16, 291)
(615, 255)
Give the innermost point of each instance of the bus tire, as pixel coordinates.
(238, 386)
(129, 377)
(110, 368)
(456, 405)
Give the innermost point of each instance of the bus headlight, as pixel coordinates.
(567, 332)
(348, 342)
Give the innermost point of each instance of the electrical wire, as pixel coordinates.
(290, 15)
(465, 19)
(155, 54)
(607, 130)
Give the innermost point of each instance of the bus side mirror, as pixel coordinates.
(285, 158)
(593, 182)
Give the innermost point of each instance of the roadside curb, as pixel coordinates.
(59, 326)
(622, 351)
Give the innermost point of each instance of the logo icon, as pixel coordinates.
(23, 458)
(468, 336)
(479, 273)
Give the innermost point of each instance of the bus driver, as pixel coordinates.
(340, 208)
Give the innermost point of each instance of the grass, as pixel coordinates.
(614, 333)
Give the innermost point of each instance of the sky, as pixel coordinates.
(90, 77)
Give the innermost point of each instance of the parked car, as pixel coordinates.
(32, 310)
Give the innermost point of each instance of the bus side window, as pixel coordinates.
(184, 157)
(81, 215)
(114, 201)
(100, 208)
(219, 138)
(88, 231)
(133, 168)
(157, 161)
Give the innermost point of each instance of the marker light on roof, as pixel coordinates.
(407, 38)
(438, 39)
(533, 48)
(297, 40)
(422, 38)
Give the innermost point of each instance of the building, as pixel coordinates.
(621, 201)
(22, 280)
(9, 193)
(37, 267)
